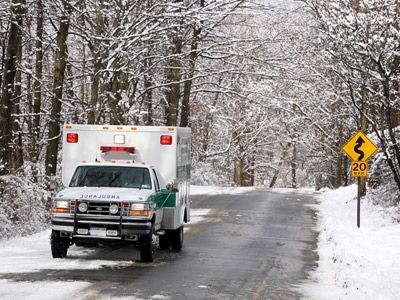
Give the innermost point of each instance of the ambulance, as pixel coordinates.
(121, 186)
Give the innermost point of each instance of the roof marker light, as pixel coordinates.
(166, 140)
(72, 137)
(119, 139)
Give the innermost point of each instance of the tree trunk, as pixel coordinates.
(37, 83)
(17, 157)
(148, 94)
(339, 160)
(238, 172)
(14, 42)
(116, 86)
(59, 70)
(293, 165)
(173, 78)
(94, 90)
(339, 169)
(275, 176)
(207, 125)
(185, 109)
(394, 151)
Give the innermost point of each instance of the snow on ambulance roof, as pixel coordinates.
(106, 127)
(122, 163)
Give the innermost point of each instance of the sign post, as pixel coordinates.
(359, 148)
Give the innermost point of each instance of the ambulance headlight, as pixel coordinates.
(83, 207)
(139, 209)
(140, 206)
(113, 209)
(60, 206)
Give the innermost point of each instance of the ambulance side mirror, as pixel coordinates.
(172, 188)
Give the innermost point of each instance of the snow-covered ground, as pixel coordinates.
(215, 190)
(32, 254)
(355, 263)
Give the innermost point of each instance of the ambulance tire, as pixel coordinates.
(176, 238)
(59, 246)
(164, 241)
(146, 247)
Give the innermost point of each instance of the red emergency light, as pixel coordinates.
(166, 140)
(117, 149)
(72, 137)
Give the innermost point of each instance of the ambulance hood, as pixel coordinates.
(104, 194)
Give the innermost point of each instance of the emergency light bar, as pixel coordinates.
(117, 149)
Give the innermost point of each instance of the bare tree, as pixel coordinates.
(60, 61)
(7, 91)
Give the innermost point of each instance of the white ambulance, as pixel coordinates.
(121, 185)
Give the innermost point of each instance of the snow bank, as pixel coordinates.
(216, 190)
(355, 263)
(307, 191)
(22, 206)
(197, 215)
(32, 253)
(40, 290)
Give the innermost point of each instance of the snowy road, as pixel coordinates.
(257, 245)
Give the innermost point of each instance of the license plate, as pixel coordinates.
(101, 232)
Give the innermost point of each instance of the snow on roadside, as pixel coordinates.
(217, 190)
(197, 215)
(354, 263)
(306, 191)
(32, 254)
(40, 290)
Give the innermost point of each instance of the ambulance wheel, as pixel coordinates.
(59, 246)
(146, 247)
(163, 241)
(176, 238)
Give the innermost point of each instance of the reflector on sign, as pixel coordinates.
(72, 137)
(119, 139)
(166, 140)
(117, 149)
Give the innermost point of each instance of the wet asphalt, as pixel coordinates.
(258, 245)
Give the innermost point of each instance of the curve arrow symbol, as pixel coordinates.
(357, 147)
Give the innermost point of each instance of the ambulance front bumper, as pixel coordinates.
(103, 228)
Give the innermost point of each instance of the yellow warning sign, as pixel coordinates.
(359, 147)
(359, 169)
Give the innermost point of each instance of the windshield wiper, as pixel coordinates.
(115, 178)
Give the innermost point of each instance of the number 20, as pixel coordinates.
(362, 166)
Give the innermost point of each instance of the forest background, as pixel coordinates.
(271, 89)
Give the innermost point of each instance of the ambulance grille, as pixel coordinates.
(97, 209)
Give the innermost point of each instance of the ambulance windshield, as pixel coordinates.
(111, 176)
